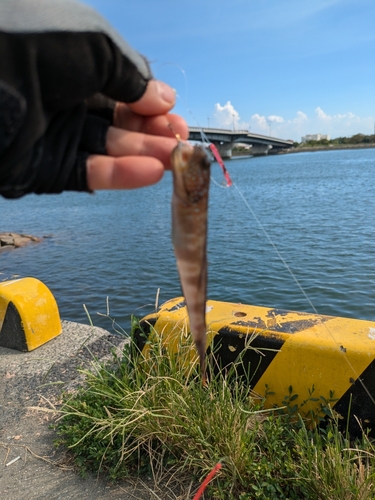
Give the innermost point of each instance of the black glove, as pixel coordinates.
(62, 67)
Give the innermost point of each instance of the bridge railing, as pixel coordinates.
(218, 130)
(244, 133)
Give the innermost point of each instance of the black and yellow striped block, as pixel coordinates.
(311, 357)
(29, 316)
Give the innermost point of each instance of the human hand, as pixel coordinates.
(64, 80)
(139, 143)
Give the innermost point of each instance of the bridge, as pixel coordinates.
(225, 140)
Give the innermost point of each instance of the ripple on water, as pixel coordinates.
(318, 209)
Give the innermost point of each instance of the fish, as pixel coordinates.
(191, 181)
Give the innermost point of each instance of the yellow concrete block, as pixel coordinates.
(308, 356)
(29, 316)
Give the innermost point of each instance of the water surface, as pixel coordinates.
(317, 208)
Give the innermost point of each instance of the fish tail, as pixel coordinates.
(201, 348)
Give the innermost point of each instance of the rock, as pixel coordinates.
(20, 241)
(6, 239)
(15, 240)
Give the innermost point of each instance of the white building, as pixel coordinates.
(315, 137)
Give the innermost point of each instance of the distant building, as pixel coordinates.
(315, 137)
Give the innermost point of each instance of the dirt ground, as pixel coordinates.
(33, 381)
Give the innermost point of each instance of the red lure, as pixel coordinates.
(218, 158)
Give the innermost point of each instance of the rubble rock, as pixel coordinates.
(16, 240)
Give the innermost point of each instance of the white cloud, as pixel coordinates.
(275, 119)
(322, 115)
(342, 124)
(300, 118)
(226, 116)
(336, 125)
(258, 121)
(348, 118)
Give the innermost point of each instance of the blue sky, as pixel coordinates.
(285, 67)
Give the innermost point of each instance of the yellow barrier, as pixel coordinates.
(29, 316)
(310, 358)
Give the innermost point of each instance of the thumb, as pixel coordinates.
(158, 99)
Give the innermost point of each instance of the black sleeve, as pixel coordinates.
(62, 69)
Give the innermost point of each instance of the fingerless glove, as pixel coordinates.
(62, 68)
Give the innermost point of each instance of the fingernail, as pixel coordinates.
(166, 92)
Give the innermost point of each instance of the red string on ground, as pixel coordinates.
(206, 481)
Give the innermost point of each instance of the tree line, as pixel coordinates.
(354, 139)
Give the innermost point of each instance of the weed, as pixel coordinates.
(146, 413)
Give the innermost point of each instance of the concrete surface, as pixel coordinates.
(36, 379)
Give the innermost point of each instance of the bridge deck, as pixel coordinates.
(233, 136)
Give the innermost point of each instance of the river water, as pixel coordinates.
(318, 209)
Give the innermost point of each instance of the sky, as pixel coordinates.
(284, 68)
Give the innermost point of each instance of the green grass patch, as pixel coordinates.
(139, 415)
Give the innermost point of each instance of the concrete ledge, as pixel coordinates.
(81, 342)
(29, 380)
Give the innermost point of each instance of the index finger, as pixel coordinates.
(164, 125)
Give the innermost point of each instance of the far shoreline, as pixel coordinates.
(310, 149)
(327, 148)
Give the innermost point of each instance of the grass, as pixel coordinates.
(146, 416)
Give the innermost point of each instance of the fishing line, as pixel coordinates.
(221, 186)
(182, 72)
(206, 141)
(295, 279)
(275, 248)
(204, 138)
(286, 265)
(184, 100)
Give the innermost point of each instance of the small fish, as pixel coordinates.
(191, 181)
